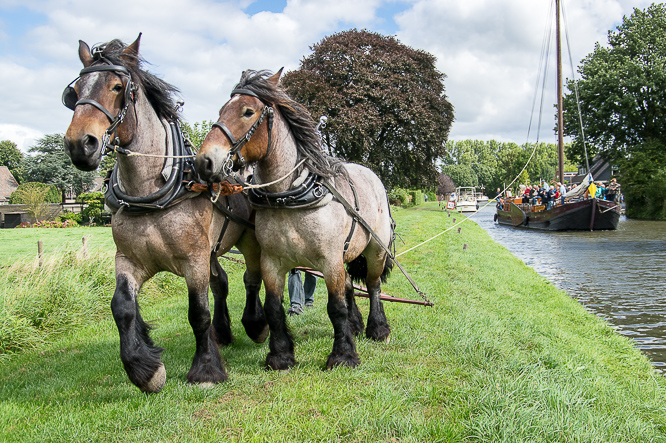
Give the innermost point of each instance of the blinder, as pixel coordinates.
(71, 99)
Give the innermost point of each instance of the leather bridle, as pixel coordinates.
(237, 144)
(71, 100)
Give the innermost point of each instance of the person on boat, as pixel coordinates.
(526, 193)
(550, 196)
(533, 193)
(613, 190)
(556, 195)
(601, 191)
(563, 191)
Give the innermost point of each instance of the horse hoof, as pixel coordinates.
(378, 333)
(350, 360)
(262, 336)
(156, 382)
(206, 385)
(280, 363)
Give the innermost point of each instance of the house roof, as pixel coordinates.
(8, 184)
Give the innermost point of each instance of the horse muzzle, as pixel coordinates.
(211, 166)
(85, 152)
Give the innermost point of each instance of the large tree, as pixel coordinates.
(11, 157)
(385, 104)
(622, 90)
(49, 164)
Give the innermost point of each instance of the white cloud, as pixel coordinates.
(24, 137)
(489, 50)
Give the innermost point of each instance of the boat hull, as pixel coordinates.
(584, 215)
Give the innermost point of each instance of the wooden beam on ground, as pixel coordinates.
(364, 291)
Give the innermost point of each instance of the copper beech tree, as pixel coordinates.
(384, 101)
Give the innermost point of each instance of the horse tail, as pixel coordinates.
(358, 269)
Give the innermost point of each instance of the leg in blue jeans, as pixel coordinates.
(309, 288)
(299, 294)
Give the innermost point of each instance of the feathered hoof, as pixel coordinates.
(156, 382)
(207, 375)
(261, 337)
(347, 359)
(280, 362)
(379, 333)
(257, 330)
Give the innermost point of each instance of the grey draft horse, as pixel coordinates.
(298, 223)
(114, 100)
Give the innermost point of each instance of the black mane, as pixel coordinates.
(303, 127)
(159, 93)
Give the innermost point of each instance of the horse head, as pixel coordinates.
(100, 97)
(242, 134)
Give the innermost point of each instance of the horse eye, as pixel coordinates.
(248, 112)
(117, 88)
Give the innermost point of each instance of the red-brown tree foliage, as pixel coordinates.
(385, 104)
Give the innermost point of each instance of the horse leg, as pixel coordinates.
(280, 343)
(355, 317)
(140, 357)
(378, 328)
(207, 363)
(254, 319)
(219, 285)
(344, 347)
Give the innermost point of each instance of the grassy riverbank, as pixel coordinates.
(503, 356)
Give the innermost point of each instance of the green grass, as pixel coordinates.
(21, 244)
(502, 356)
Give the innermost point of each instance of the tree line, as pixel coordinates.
(493, 164)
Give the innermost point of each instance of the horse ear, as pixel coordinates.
(275, 78)
(131, 53)
(84, 54)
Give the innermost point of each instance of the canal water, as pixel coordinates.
(617, 275)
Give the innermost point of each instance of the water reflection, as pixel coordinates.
(617, 275)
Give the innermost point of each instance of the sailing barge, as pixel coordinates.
(579, 215)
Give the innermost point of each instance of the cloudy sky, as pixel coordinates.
(489, 50)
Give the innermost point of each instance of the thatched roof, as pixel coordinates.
(8, 184)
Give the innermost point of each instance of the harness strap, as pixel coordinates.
(354, 219)
(224, 227)
(354, 213)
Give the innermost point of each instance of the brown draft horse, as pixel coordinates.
(262, 125)
(114, 98)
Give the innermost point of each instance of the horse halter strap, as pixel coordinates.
(71, 100)
(237, 145)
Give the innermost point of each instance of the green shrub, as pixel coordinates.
(34, 192)
(69, 215)
(417, 197)
(93, 212)
(399, 197)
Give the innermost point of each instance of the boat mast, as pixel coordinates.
(560, 117)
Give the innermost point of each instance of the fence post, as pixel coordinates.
(40, 252)
(84, 248)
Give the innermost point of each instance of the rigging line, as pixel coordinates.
(573, 76)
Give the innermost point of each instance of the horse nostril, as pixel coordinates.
(204, 166)
(90, 144)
